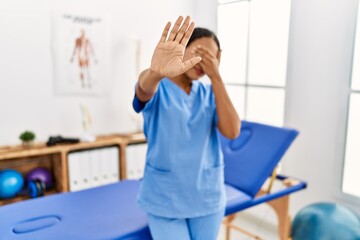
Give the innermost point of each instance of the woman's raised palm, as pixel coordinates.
(167, 59)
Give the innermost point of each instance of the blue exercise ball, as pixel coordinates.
(11, 182)
(325, 221)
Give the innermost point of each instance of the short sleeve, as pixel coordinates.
(139, 105)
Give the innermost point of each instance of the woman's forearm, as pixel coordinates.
(147, 85)
(229, 122)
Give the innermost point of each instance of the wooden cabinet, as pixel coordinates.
(55, 158)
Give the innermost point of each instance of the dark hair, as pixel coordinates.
(203, 32)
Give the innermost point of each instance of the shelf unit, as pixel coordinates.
(54, 158)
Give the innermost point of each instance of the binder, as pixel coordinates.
(95, 166)
(75, 178)
(114, 158)
(130, 166)
(135, 160)
(85, 170)
(102, 167)
(141, 160)
(106, 166)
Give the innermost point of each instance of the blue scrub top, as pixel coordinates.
(184, 172)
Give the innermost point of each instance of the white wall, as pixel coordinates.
(320, 57)
(27, 100)
(206, 14)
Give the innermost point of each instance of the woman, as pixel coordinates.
(183, 186)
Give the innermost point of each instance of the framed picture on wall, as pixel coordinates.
(80, 53)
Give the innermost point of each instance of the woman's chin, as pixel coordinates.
(194, 76)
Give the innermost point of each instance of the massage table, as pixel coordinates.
(110, 212)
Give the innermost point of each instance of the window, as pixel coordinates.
(254, 40)
(351, 180)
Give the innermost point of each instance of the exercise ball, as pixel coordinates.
(41, 174)
(11, 182)
(325, 221)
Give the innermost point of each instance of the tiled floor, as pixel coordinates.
(259, 220)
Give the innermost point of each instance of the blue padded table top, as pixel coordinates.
(236, 200)
(102, 213)
(252, 156)
(106, 212)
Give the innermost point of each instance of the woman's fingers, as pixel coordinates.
(165, 32)
(175, 29)
(180, 34)
(203, 51)
(209, 62)
(190, 63)
(187, 34)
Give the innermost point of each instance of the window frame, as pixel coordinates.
(248, 85)
(339, 179)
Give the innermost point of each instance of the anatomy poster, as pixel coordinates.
(80, 50)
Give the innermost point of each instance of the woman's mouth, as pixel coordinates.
(199, 71)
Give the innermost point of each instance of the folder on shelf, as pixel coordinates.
(135, 160)
(102, 167)
(95, 166)
(140, 159)
(130, 166)
(75, 177)
(86, 170)
(114, 164)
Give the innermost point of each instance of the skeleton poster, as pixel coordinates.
(80, 50)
